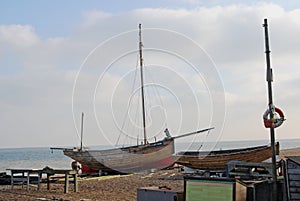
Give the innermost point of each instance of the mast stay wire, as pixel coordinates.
(155, 92)
(128, 107)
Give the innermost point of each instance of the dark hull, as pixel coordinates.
(216, 160)
(127, 160)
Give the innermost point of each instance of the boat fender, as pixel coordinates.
(274, 122)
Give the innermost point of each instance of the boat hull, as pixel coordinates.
(127, 160)
(216, 160)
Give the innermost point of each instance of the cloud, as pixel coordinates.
(92, 18)
(18, 35)
(37, 75)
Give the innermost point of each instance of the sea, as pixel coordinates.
(38, 158)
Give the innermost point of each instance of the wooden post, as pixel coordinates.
(75, 183)
(48, 181)
(66, 190)
(28, 181)
(23, 175)
(12, 179)
(39, 180)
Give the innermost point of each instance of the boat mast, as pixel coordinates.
(81, 132)
(142, 83)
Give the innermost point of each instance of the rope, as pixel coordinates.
(135, 111)
(156, 93)
(203, 141)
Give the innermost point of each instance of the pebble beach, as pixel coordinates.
(106, 188)
(112, 188)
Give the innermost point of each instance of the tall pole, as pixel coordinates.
(271, 108)
(142, 83)
(81, 131)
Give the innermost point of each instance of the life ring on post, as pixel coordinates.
(275, 122)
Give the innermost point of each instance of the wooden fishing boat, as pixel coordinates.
(216, 160)
(126, 160)
(132, 159)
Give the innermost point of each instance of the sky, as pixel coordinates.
(61, 58)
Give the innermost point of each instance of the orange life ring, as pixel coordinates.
(275, 122)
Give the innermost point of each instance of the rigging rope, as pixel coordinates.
(156, 95)
(203, 141)
(128, 106)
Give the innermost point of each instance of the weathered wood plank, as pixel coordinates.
(293, 165)
(295, 190)
(294, 183)
(293, 171)
(295, 196)
(294, 177)
(19, 179)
